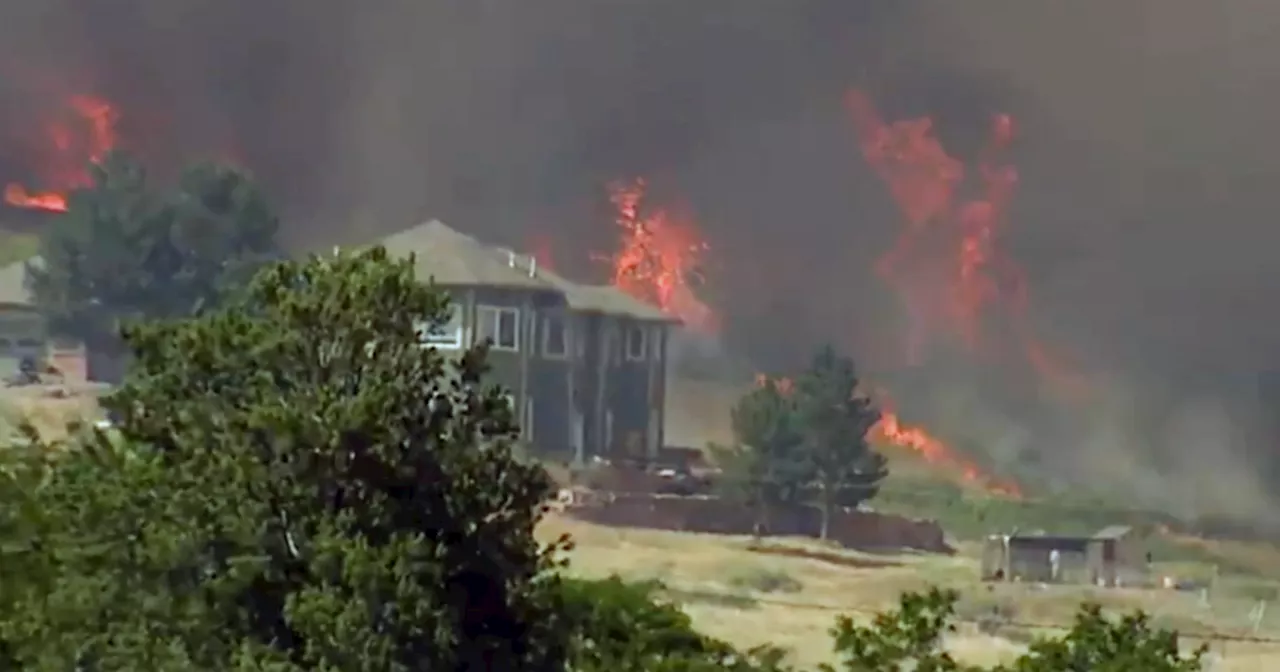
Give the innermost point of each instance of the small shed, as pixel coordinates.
(1117, 557)
(1113, 556)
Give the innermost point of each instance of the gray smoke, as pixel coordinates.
(1143, 219)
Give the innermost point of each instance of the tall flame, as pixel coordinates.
(658, 258)
(948, 266)
(84, 133)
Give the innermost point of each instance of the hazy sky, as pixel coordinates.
(1144, 216)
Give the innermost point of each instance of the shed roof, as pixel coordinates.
(1113, 532)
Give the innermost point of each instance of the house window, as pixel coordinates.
(446, 336)
(636, 342)
(656, 343)
(500, 326)
(555, 337)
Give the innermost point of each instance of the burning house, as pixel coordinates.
(586, 364)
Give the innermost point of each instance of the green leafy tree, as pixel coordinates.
(24, 469)
(834, 419)
(912, 638)
(296, 484)
(129, 250)
(625, 627)
(764, 468)
(1102, 644)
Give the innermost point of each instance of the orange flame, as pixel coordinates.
(892, 431)
(658, 258)
(947, 266)
(85, 135)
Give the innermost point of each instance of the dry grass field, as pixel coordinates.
(49, 408)
(752, 596)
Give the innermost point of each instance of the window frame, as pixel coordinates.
(655, 343)
(640, 352)
(565, 337)
(485, 313)
(444, 340)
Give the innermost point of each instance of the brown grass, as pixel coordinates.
(50, 408)
(791, 597)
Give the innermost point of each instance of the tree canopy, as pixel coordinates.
(804, 439)
(129, 249)
(297, 483)
(764, 468)
(834, 417)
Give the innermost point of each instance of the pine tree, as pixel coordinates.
(764, 468)
(834, 418)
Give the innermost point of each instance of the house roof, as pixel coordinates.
(456, 259)
(605, 299)
(610, 300)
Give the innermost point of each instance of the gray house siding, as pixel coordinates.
(550, 383)
(629, 389)
(621, 397)
(520, 370)
(590, 381)
(657, 439)
(589, 400)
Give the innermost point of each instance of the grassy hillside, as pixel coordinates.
(788, 592)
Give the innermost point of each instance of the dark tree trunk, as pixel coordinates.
(826, 501)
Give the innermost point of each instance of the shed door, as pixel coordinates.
(1108, 551)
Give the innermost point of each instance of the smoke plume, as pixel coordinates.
(1142, 217)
